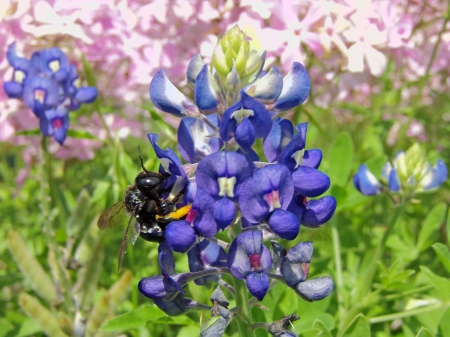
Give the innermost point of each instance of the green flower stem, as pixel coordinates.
(338, 267)
(47, 218)
(245, 327)
(407, 313)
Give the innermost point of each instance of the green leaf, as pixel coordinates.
(134, 319)
(29, 132)
(359, 327)
(424, 333)
(444, 324)
(448, 227)
(431, 226)
(80, 134)
(341, 159)
(89, 72)
(318, 324)
(28, 327)
(311, 333)
(5, 327)
(441, 283)
(443, 254)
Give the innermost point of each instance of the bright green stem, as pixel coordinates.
(338, 267)
(370, 273)
(244, 324)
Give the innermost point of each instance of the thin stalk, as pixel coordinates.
(245, 327)
(338, 267)
(408, 313)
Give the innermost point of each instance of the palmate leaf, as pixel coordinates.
(443, 254)
(442, 284)
(424, 333)
(134, 319)
(430, 227)
(359, 327)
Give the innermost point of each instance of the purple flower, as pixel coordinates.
(55, 123)
(222, 175)
(205, 92)
(296, 86)
(54, 63)
(196, 139)
(313, 213)
(249, 260)
(166, 97)
(182, 235)
(295, 270)
(206, 255)
(40, 94)
(365, 181)
(167, 284)
(246, 120)
(14, 88)
(266, 197)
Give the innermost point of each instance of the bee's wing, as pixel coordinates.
(113, 217)
(123, 245)
(135, 232)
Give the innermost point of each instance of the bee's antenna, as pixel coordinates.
(142, 162)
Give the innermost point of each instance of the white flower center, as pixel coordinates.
(54, 65)
(226, 186)
(298, 157)
(240, 114)
(19, 76)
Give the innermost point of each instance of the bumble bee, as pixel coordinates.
(143, 202)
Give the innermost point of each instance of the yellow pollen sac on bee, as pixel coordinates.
(19, 76)
(240, 114)
(54, 65)
(298, 157)
(226, 186)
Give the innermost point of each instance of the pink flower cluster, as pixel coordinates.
(346, 45)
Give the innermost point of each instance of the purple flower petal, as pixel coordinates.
(13, 89)
(195, 66)
(245, 134)
(319, 211)
(312, 158)
(166, 97)
(296, 86)
(270, 187)
(40, 94)
(315, 289)
(310, 182)
(268, 87)
(205, 93)
(278, 137)
(394, 181)
(365, 181)
(295, 266)
(246, 107)
(284, 224)
(258, 284)
(86, 94)
(202, 215)
(165, 259)
(169, 160)
(206, 255)
(224, 212)
(223, 174)
(292, 154)
(180, 236)
(196, 139)
(160, 287)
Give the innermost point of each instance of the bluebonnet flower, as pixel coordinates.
(250, 260)
(48, 85)
(408, 175)
(229, 186)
